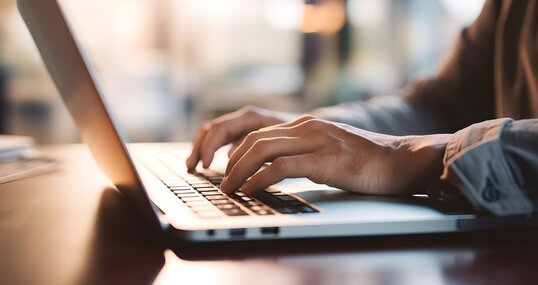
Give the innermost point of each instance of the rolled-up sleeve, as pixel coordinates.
(495, 165)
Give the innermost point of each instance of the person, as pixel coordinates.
(471, 129)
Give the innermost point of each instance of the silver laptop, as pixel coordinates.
(189, 205)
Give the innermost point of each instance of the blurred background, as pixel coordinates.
(168, 65)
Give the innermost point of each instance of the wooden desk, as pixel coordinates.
(72, 227)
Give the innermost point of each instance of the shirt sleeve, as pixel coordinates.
(495, 165)
(388, 114)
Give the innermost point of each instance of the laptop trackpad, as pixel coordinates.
(335, 202)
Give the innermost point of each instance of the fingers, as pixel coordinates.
(220, 132)
(193, 159)
(283, 167)
(250, 140)
(216, 137)
(239, 141)
(262, 151)
(280, 130)
(235, 145)
(295, 122)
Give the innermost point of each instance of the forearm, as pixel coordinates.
(392, 114)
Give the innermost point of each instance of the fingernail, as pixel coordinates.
(223, 185)
(244, 189)
(188, 163)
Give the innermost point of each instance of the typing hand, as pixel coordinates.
(230, 128)
(334, 154)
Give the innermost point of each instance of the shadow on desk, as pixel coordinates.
(123, 250)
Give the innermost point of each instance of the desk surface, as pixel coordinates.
(72, 227)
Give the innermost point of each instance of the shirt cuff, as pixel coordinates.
(474, 163)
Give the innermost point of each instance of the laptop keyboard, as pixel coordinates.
(200, 192)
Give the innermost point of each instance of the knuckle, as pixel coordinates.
(207, 126)
(261, 146)
(218, 129)
(252, 136)
(314, 124)
(307, 118)
(249, 110)
(281, 164)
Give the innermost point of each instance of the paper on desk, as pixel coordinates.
(19, 168)
(17, 161)
(14, 146)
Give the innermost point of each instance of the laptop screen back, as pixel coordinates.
(82, 96)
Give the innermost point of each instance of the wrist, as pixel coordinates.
(271, 117)
(426, 154)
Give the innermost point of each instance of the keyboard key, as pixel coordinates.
(211, 193)
(264, 212)
(222, 202)
(234, 212)
(198, 188)
(286, 198)
(187, 187)
(176, 185)
(307, 209)
(193, 199)
(253, 203)
(198, 203)
(245, 199)
(227, 206)
(188, 195)
(217, 197)
(209, 172)
(192, 177)
(286, 210)
(207, 189)
(256, 208)
(269, 200)
(180, 187)
(201, 185)
(198, 181)
(184, 191)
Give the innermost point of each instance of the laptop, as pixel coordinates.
(189, 206)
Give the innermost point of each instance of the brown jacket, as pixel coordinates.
(491, 73)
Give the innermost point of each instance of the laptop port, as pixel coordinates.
(238, 232)
(210, 233)
(270, 231)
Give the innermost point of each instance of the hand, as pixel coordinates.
(230, 128)
(337, 155)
